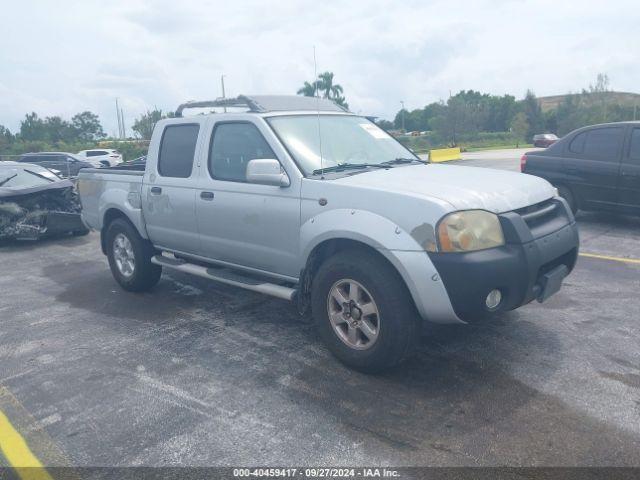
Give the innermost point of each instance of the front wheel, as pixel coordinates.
(130, 257)
(363, 311)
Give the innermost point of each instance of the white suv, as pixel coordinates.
(104, 157)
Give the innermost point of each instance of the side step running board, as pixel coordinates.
(227, 277)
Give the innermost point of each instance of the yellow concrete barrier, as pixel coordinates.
(444, 154)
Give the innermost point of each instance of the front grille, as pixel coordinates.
(544, 217)
(538, 213)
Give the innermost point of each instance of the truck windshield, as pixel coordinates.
(346, 140)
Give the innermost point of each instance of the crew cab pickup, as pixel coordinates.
(297, 198)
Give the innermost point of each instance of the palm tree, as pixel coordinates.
(342, 102)
(326, 85)
(308, 89)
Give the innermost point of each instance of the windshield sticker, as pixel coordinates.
(374, 131)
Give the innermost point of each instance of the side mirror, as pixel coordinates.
(267, 171)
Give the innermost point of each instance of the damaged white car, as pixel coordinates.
(35, 202)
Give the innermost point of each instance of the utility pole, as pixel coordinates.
(223, 94)
(124, 130)
(119, 121)
(402, 114)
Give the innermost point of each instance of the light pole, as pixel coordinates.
(402, 114)
(223, 95)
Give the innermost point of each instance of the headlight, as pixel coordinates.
(469, 230)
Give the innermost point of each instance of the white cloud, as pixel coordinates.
(60, 58)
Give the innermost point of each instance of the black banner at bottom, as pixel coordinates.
(430, 473)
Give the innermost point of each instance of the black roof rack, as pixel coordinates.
(267, 103)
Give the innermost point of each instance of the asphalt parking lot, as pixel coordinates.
(196, 373)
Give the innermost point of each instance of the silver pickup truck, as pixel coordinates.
(296, 198)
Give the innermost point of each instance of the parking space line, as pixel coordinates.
(17, 453)
(613, 259)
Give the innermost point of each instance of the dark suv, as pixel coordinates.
(67, 164)
(594, 168)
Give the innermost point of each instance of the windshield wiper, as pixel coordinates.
(8, 178)
(401, 160)
(348, 166)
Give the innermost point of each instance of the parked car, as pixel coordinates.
(361, 231)
(593, 168)
(103, 157)
(67, 164)
(544, 140)
(34, 202)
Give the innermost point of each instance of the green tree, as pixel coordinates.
(324, 85)
(327, 87)
(87, 126)
(385, 124)
(500, 113)
(533, 111)
(520, 127)
(145, 124)
(6, 138)
(58, 130)
(308, 89)
(32, 127)
(602, 84)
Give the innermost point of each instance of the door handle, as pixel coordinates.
(156, 190)
(206, 195)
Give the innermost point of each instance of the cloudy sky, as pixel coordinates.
(59, 57)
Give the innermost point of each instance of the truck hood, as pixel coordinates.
(465, 188)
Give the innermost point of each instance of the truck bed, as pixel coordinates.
(115, 187)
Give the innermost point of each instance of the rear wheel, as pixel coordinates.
(363, 311)
(130, 257)
(565, 193)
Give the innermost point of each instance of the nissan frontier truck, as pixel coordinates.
(297, 198)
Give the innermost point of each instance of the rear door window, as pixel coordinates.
(603, 143)
(177, 150)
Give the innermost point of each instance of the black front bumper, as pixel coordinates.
(527, 267)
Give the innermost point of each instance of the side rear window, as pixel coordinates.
(603, 143)
(232, 147)
(634, 146)
(177, 150)
(577, 144)
(96, 153)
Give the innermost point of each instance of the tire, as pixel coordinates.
(378, 283)
(565, 193)
(139, 275)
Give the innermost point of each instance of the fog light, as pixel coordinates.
(493, 299)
